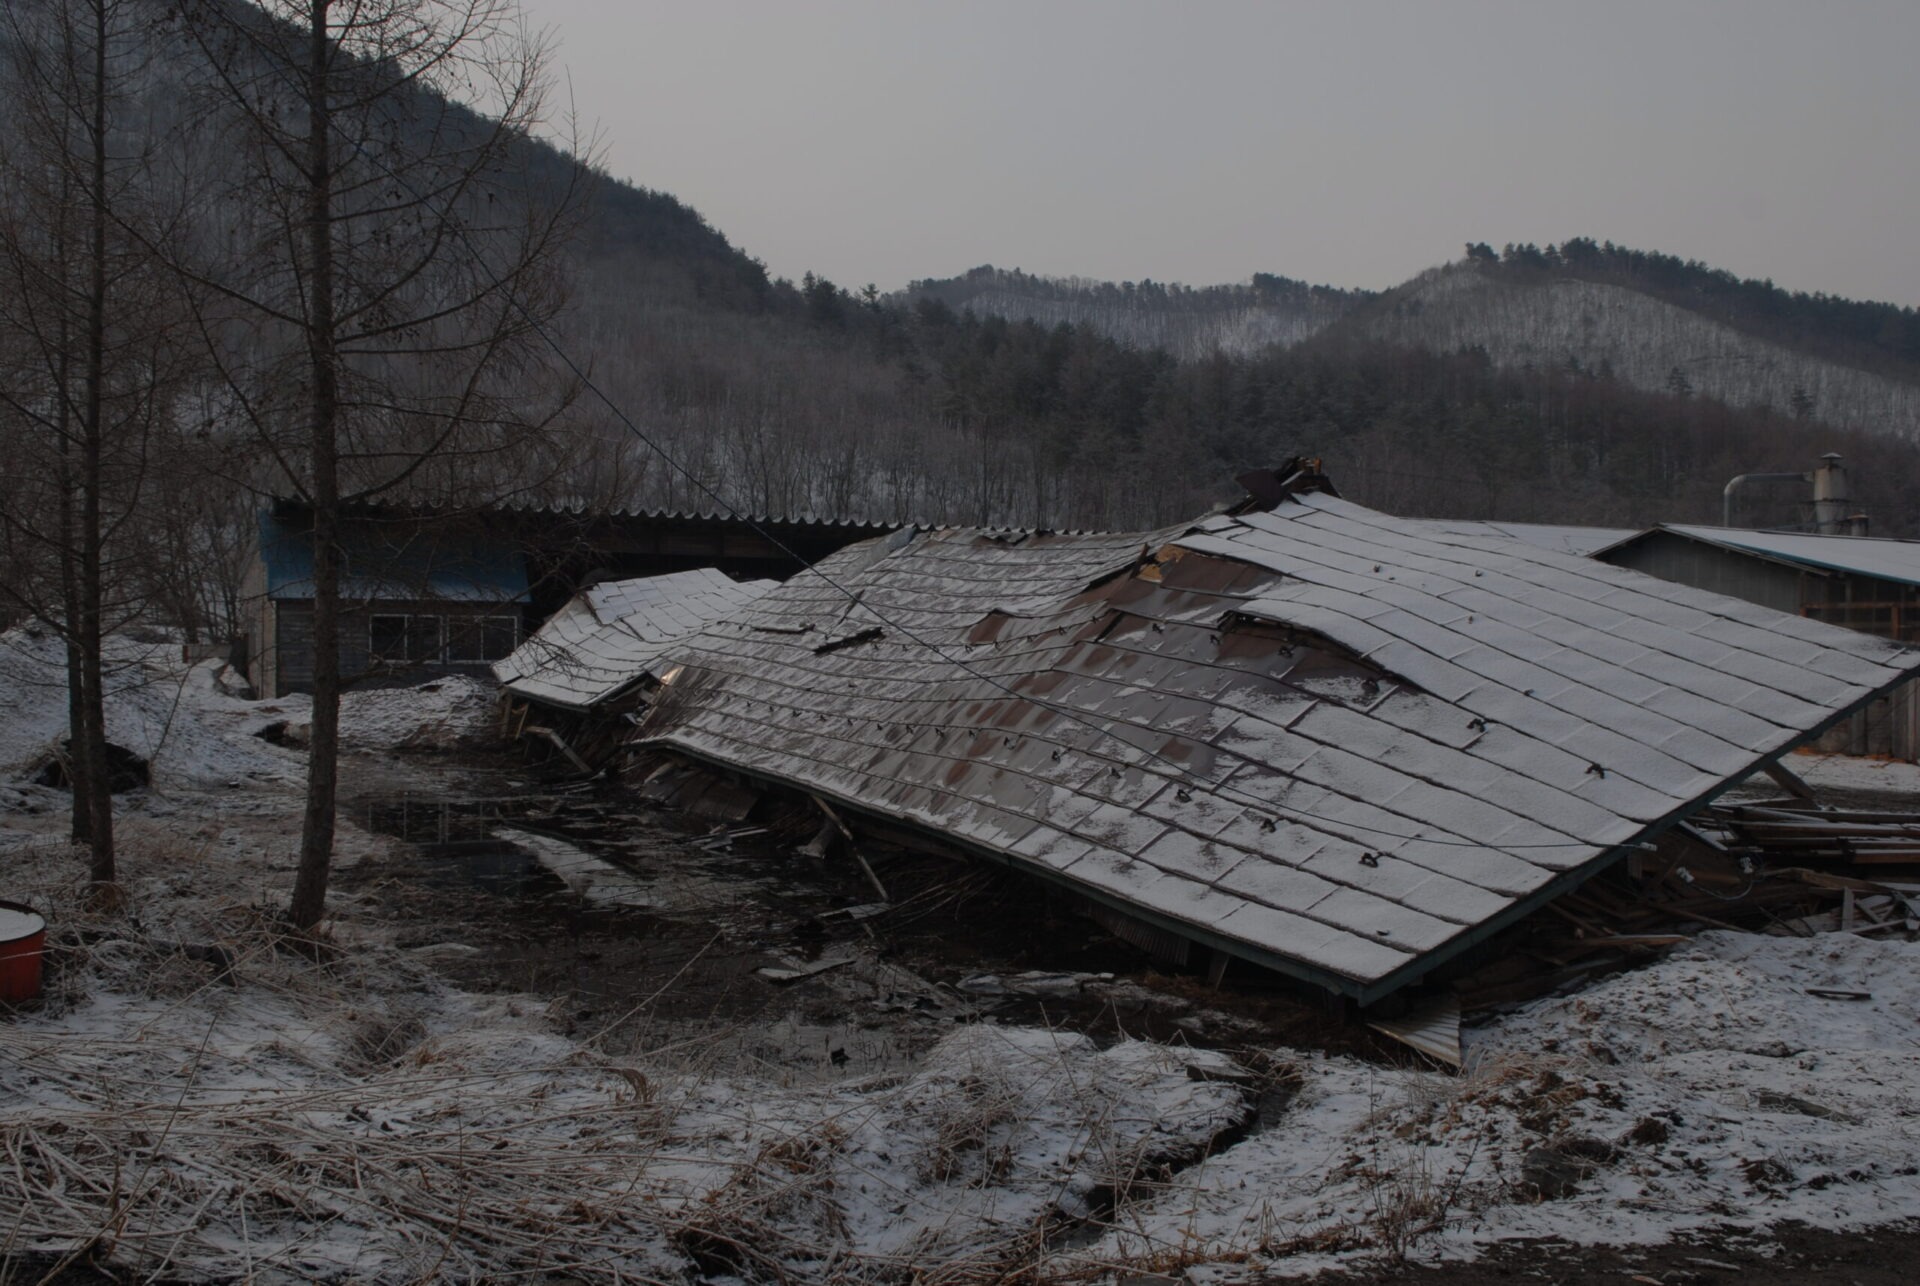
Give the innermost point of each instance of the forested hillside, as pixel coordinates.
(1188, 322)
(811, 398)
(1666, 340)
(1650, 320)
(823, 401)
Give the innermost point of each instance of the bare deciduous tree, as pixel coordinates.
(90, 362)
(372, 272)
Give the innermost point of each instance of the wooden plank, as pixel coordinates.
(853, 847)
(1788, 781)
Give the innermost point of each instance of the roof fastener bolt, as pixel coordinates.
(1184, 795)
(1369, 859)
(1596, 770)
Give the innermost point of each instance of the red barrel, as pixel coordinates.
(23, 941)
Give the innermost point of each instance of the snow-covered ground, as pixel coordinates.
(195, 730)
(193, 733)
(1708, 1089)
(197, 1098)
(1891, 777)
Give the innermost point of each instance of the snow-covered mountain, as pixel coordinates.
(1725, 341)
(1636, 337)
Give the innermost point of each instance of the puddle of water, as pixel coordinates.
(459, 847)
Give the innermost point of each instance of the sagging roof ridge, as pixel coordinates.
(1737, 612)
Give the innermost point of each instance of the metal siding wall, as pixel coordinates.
(1688, 562)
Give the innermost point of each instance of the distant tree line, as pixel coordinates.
(1265, 289)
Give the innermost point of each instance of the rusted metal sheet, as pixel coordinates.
(1334, 742)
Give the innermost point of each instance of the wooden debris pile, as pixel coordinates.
(1802, 832)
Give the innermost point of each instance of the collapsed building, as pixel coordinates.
(592, 665)
(1342, 745)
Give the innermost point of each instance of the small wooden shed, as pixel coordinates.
(418, 599)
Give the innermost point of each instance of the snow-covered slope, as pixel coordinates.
(1642, 340)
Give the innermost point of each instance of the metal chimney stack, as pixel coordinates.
(1832, 508)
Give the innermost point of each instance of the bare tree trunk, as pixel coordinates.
(323, 750)
(82, 798)
(388, 338)
(93, 749)
(82, 828)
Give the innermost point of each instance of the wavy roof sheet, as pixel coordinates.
(1338, 743)
(616, 633)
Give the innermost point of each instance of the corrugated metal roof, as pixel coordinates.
(588, 510)
(1339, 743)
(1878, 557)
(1566, 540)
(793, 522)
(616, 633)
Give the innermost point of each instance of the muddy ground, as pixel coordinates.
(670, 964)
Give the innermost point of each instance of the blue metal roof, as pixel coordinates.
(388, 560)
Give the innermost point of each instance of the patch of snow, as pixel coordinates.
(596, 879)
(175, 716)
(1854, 772)
(443, 714)
(193, 730)
(1708, 1089)
(363, 1120)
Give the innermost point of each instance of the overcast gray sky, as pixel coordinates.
(1353, 143)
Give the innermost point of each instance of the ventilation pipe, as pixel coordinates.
(1833, 513)
(1726, 494)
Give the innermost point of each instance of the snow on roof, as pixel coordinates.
(1566, 540)
(616, 633)
(1878, 557)
(1341, 744)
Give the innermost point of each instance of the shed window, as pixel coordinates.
(481, 638)
(393, 637)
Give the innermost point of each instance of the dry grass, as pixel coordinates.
(293, 1110)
